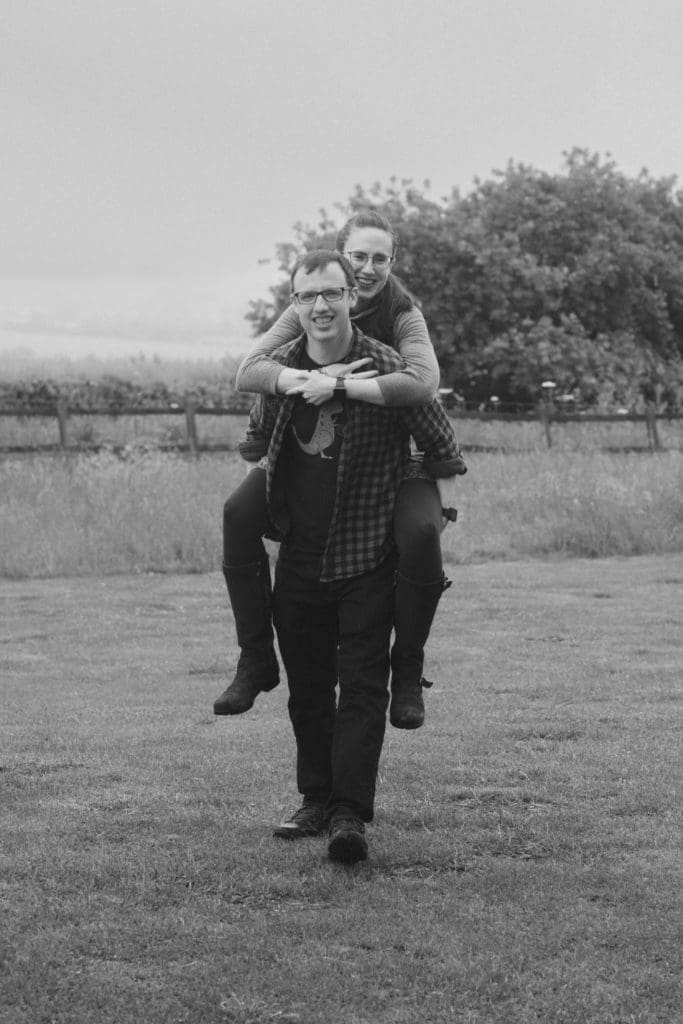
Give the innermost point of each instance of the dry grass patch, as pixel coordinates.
(159, 512)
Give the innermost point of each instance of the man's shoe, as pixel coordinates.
(347, 840)
(407, 708)
(305, 823)
(254, 674)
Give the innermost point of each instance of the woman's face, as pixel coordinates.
(370, 252)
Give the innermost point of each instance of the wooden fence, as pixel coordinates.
(62, 412)
(545, 414)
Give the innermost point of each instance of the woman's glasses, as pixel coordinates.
(379, 259)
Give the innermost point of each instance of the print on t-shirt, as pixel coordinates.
(326, 427)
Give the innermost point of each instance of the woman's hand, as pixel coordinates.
(319, 386)
(349, 369)
(289, 379)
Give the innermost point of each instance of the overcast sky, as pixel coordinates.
(154, 138)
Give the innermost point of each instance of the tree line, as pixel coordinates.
(574, 278)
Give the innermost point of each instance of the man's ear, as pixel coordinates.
(295, 306)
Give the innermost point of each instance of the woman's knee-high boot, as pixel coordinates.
(249, 588)
(415, 605)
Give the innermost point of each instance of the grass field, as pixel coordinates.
(150, 511)
(523, 864)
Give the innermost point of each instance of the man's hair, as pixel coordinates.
(366, 219)
(318, 259)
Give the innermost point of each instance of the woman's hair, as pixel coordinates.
(394, 298)
(366, 219)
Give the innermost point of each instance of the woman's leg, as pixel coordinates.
(417, 530)
(245, 520)
(419, 584)
(246, 569)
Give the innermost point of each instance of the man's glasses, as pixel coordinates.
(329, 295)
(379, 259)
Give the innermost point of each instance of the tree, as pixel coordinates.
(576, 275)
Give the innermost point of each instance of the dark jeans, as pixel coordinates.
(245, 521)
(332, 633)
(417, 526)
(417, 530)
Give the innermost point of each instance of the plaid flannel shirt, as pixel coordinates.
(375, 446)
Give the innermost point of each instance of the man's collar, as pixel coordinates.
(356, 339)
(347, 356)
(294, 350)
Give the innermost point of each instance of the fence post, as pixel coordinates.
(547, 408)
(62, 417)
(191, 426)
(652, 431)
(545, 420)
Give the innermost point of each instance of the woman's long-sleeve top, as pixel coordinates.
(416, 384)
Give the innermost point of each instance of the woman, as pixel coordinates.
(385, 311)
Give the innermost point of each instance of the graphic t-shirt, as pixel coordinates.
(307, 469)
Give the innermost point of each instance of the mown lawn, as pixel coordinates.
(523, 861)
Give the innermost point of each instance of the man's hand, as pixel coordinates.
(316, 390)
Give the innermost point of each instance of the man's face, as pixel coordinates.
(324, 319)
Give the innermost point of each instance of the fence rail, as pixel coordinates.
(545, 414)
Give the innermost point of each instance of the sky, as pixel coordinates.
(153, 152)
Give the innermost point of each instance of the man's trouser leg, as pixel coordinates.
(365, 605)
(305, 618)
(327, 630)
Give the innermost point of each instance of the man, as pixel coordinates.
(333, 469)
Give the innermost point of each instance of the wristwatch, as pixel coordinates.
(339, 387)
